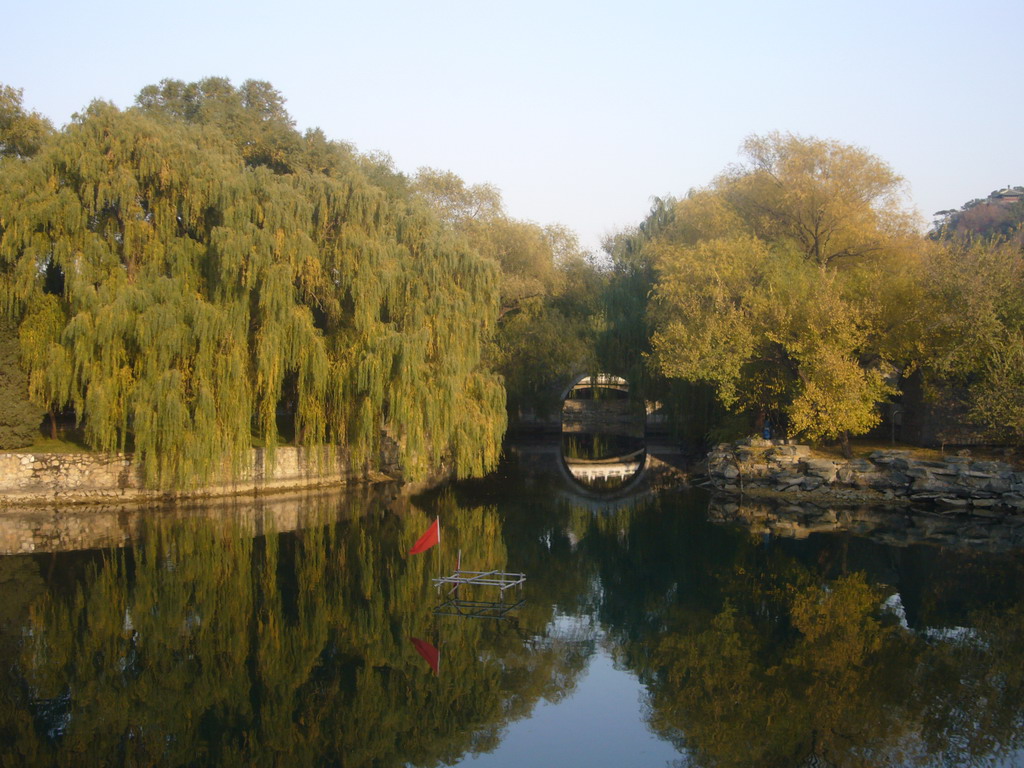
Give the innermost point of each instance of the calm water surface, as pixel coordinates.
(657, 629)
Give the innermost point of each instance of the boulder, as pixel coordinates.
(930, 483)
(952, 484)
(812, 483)
(846, 475)
(995, 467)
(823, 468)
(728, 471)
(783, 482)
(889, 457)
(959, 461)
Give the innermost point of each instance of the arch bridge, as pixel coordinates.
(590, 382)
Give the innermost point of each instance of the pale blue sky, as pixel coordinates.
(578, 111)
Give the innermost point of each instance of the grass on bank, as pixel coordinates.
(861, 449)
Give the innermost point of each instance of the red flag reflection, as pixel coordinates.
(428, 652)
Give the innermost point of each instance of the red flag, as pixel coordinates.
(428, 539)
(428, 652)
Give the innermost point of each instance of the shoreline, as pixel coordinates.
(894, 478)
(81, 480)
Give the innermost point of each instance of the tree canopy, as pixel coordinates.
(193, 275)
(21, 133)
(975, 336)
(773, 285)
(550, 292)
(19, 418)
(188, 286)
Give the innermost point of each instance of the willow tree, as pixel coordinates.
(19, 418)
(548, 315)
(252, 117)
(782, 286)
(22, 134)
(200, 290)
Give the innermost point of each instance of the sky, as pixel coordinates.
(579, 112)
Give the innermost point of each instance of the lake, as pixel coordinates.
(656, 627)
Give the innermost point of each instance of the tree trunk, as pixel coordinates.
(844, 444)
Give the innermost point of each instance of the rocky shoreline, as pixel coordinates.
(959, 484)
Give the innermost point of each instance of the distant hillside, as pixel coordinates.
(1001, 215)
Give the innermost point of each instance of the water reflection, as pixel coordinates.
(896, 526)
(828, 649)
(221, 639)
(603, 463)
(204, 644)
(603, 430)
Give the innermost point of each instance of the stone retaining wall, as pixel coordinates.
(956, 482)
(96, 477)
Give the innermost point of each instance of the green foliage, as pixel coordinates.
(252, 117)
(184, 281)
(549, 312)
(19, 418)
(975, 338)
(625, 341)
(539, 350)
(526, 253)
(771, 286)
(831, 202)
(21, 133)
(458, 205)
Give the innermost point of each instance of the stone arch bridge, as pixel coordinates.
(600, 403)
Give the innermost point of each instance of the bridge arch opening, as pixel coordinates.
(585, 387)
(603, 430)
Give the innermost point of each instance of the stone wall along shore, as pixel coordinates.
(33, 478)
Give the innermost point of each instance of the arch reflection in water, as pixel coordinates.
(603, 445)
(603, 463)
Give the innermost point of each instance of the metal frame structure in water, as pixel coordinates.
(476, 609)
(479, 609)
(500, 579)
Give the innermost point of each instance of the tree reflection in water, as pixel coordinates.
(208, 645)
(787, 655)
